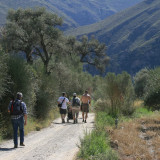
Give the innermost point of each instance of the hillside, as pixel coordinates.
(132, 37)
(75, 13)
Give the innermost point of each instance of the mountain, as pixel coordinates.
(75, 12)
(132, 37)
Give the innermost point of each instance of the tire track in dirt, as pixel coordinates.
(56, 142)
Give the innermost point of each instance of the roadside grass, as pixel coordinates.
(37, 124)
(96, 145)
(139, 137)
(136, 137)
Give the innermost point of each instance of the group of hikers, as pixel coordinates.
(18, 111)
(76, 105)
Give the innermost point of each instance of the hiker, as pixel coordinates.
(18, 111)
(63, 101)
(75, 103)
(85, 102)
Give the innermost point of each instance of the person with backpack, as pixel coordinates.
(62, 104)
(85, 102)
(75, 102)
(18, 111)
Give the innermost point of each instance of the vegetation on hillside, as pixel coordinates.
(74, 13)
(132, 37)
(114, 95)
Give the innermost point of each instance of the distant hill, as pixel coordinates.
(75, 12)
(132, 37)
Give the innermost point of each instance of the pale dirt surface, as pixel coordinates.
(57, 142)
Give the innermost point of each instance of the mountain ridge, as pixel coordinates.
(75, 13)
(131, 35)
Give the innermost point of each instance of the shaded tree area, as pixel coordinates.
(53, 63)
(35, 32)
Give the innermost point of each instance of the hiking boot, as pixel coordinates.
(63, 121)
(76, 120)
(15, 146)
(85, 121)
(22, 144)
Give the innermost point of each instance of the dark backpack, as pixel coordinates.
(16, 107)
(75, 102)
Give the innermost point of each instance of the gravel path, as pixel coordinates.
(57, 142)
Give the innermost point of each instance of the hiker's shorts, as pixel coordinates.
(63, 111)
(85, 107)
(75, 111)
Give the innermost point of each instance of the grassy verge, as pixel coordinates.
(111, 143)
(96, 145)
(138, 136)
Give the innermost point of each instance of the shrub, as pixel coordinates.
(3, 74)
(152, 90)
(93, 144)
(140, 81)
(117, 95)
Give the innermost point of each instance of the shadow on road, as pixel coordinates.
(6, 149)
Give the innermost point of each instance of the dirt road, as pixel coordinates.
(57, 142)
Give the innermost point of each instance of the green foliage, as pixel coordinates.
(23, 79)
(46, 96)
(152, 90)
(92, 52)
(3, 74)
(117, 95)
(95, 145)
(32, 31)
(142, 112)
(140, 81)
(103, 119)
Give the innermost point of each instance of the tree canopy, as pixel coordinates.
(32, 32)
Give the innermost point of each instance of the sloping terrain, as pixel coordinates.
(132, 37)
(75, 13)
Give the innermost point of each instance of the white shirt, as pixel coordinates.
(64, 104)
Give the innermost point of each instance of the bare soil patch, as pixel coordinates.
(138, 139)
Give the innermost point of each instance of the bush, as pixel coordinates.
(4, 77)
(117, 95)
(140, 81)
(22, 79)
(152, 90)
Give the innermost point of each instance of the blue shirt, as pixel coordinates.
(24, 108)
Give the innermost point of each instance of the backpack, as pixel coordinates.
(76, 102)
(16, 107)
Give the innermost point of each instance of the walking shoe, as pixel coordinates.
(15, 146)
(63, 121)
(85, 121)
(74, 121)
(22, 144)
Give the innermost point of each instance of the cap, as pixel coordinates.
(74, 94)
(19, 95)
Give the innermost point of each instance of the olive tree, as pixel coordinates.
(32, 32)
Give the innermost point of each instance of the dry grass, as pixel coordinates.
(138, 103)
(138, 139)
